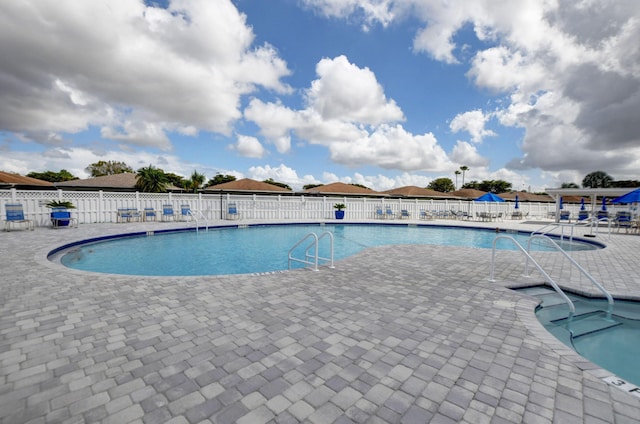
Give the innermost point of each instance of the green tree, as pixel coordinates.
(597, 179)
(276, 183)
(309, 186)
(457, 172)
(625, 183)
(151, 180)
(360, 185)
(569, 185)
(175, 179)
(442, 184)
(195, 182)
(495, 186)
(463, 168)
(109, 167)
(472, 184)
(53, 177)
(220, 179)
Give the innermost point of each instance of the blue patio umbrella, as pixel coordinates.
(517, 206)
(604, 203)
(561, 203)
(489, 197)
(582, 204)
(631, 197)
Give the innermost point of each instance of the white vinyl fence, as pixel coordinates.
(102, 206)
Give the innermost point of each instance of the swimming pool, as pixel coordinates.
(257, 249)
(613, 344)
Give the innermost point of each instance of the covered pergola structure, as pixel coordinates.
(590, 193)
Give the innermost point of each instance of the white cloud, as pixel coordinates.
(137, 71)
(348, 93)
(472, 122)
(466, 154)
(249, 147)
(348, 112)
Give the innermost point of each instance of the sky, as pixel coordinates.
(384, 93)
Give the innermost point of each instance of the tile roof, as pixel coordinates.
(413, 191)
(524, 196)
(342, 188)
(124, 180)
(7, 178)
(467, 193)
(247, 184)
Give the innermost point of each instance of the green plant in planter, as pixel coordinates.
(58, 204)
(339, 210)
(339, 206)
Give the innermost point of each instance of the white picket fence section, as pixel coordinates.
(102, 206)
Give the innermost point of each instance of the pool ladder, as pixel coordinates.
(572, 309)
(312, 259)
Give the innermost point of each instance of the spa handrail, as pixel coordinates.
(547, 277)
(574, 263)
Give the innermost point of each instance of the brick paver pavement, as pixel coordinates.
(395, 334)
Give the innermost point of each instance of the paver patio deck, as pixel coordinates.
(395, 334)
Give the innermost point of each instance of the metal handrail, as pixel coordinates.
(195, 219)
(547, 277)
(576, 264)
(313, 244)
(553, 226)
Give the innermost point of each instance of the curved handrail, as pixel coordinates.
(547, 277)
(576, 264)
(328, 234)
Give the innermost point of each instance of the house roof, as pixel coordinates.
(247, 184)
(524, 196)
(413, 191)
(343, 189)
(16, 180)
(124, 180)
(467, 193)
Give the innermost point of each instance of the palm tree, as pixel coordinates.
(151, 180)
(463, 168)
(195, 182)
(457, 173)
(597, 179)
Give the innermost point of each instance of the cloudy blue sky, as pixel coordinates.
(384, 93)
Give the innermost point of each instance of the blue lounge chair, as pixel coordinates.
(425, 215)
(388, 213)
(128, 215)
(149, 214)
(565, 216)
(583, 215)
(15, 216)
(379, 212)
(185, 213)
(404, 214)
(167, 213)
(623, 220)
(232, 211)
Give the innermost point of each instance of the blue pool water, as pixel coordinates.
(613, 344)
(258, 249)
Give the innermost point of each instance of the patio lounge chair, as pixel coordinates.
(379, 213)
(583, 215)
(388, 213)
(128, 215)
(149, 214)
(425, 214)
(185, 213)
(167, 213)
(623, 220)
(232, 211)
(15, 216)
(404, 214)
(565, 216)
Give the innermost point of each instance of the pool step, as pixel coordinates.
(587, 323)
